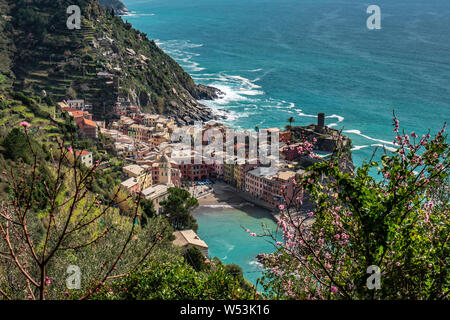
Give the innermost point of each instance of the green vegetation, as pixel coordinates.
(178, 208)
(176, 280)
(195, 258)
(387, 220)
(39, 52)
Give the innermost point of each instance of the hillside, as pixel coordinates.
(116, 5)
(104, 62)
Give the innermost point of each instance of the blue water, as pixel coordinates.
(281, 58)
(223, 231)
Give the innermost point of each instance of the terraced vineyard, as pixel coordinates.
(103, 61)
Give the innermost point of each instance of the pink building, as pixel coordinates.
(254, 182)
(217, 169)
(274, 189)
(279, 188)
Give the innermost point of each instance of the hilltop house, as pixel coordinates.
(87, 127)
(85, 157)
(187, 239)
(157, 194)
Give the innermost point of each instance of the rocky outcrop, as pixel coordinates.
(203, 92)
(105, 62)
(116, 5)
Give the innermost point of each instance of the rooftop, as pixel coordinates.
(286, 175)
(155, 191)
(134, 169)
(129, 183)
(82, 152)
(188, 237)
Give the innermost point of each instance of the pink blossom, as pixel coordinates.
(25, 124)
(334, 289)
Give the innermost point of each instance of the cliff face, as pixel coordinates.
(116, 5)
(104, 62)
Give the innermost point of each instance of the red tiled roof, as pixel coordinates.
(82, 152)
(77, 113)
(89, 123)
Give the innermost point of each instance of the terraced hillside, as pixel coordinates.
(103, 62)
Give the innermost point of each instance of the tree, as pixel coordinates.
(195, 258)
(38, 243)
(16, 146)
(173, 279)
(289, 126)
(178, 208)
(236, 271)
(395, 227)
(291, 120)
(148, 210)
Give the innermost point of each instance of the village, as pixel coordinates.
(152, 159)
(144, 141)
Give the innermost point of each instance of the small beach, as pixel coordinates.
(222, 217)
(222, 195)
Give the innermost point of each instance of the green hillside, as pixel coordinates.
(104, 62)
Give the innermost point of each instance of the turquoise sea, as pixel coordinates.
(281, 58)
(223, 231)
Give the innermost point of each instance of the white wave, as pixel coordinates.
(384, 146)
(227, 206)
(255, 70)
(356, 148)
(339, 118)
(133, 14)
(256, 264)
(301, 114)
(179, 50)
(357, 132)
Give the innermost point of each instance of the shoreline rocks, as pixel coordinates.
(207, 93)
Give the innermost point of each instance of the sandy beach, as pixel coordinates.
(222, 195)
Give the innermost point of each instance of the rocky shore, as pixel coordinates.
(119, 8)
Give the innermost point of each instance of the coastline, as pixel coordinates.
(223, 196)
(222, 216)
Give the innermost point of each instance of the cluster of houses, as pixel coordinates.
(145, 140)
(83, 118)
(154, 166)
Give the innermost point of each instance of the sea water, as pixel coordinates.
(280, 58)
